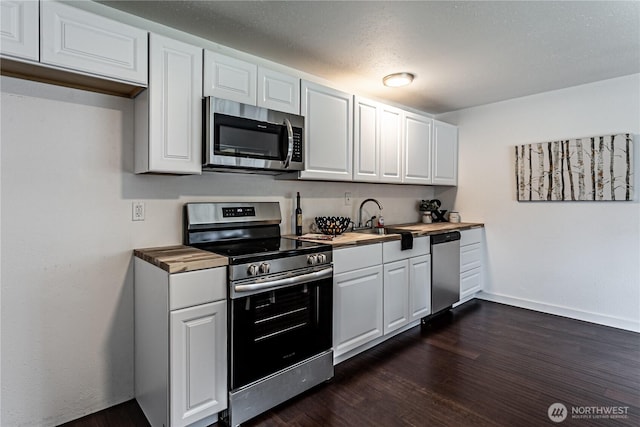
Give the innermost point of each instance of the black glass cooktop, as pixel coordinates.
(263, 249)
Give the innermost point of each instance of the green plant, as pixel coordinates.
(428, 205)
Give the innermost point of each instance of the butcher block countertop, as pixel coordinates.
(417, 229)
(179, 258)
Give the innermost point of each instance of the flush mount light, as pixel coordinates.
(398, 79)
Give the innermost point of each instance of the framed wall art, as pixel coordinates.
(598, 168)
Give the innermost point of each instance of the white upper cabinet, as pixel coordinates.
(366, 141)
(328, 141)
(391, 146)
(169, 114)
(278, 91)
(417, 149)
(19, 29)
(81, 41)
(229, 78)
(377, 142)
(241, 81)
(445, 154)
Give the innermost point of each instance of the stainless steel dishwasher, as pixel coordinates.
(445, 271)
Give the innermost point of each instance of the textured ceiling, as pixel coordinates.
(463, 53)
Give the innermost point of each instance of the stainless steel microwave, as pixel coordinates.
(241, 137)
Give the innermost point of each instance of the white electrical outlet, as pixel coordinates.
(347, 198)
(137, 211)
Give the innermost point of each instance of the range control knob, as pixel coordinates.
(265, 267)
(322, 258)
(252, 270)
(312, 259)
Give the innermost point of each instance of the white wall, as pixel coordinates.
(67, 240)
(579, 259)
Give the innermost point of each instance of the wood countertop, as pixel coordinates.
(417, 229)
(180, 258)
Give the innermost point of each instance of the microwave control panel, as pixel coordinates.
(296, 156)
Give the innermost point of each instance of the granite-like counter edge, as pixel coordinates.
(417, 229)
(180, 258)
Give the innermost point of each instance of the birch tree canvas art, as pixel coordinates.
(595, 168)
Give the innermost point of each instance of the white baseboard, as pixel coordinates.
(601, 319)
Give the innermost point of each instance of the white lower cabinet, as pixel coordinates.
(379, 291)
(180, 345)
(357, 308)
(419, 287)
(407, 283)
(357, 296)
(197, 362)
(396, 295)
(470, 262)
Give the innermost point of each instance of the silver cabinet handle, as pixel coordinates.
(287, 161)
(303, 278)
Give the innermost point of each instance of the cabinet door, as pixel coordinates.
(170, 139)
(470, 282)
(366, 141)
(470, 257)
(328, 133)
(19, 29)
(230, 78)
(278, 91)
(445, 154)
(417, 149)
(391, 144)
(420, 287)
(198, 362)
(357, 308)
(396, 295)
(79, 40)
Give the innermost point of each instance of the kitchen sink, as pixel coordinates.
(380, 231)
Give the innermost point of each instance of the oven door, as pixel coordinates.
(274, 329)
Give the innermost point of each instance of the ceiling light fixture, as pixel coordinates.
(397, 79)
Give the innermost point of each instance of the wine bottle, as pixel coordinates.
(298, 216)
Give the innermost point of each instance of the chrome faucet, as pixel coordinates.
(360, 224)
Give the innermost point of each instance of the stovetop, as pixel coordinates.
(246, 251)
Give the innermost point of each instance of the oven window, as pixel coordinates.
(276, 329)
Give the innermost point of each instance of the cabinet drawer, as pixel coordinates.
(391, 251)
(81, 41)
(470, 257)
(470, 236)
(470, 282)
(197, 287)
(349, 259)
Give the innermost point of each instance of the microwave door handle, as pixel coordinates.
(287, 161)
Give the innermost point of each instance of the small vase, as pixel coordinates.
(427, 218)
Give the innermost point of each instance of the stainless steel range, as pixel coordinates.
(280, 296)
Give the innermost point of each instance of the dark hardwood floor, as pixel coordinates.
(483, 364)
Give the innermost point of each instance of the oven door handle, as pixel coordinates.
(303, 278)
